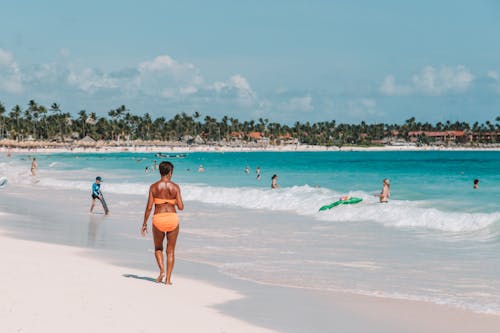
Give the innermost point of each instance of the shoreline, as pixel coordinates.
(236, 149)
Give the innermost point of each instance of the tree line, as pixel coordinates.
(38, 122)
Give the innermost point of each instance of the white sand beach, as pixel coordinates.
(54, 288)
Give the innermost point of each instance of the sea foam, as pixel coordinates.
(306, 200)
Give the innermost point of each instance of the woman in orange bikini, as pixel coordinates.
(165, 195)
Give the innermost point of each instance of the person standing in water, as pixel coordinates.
(97, 194)
(247, 169)
(257, 171)
(165, 195)
(386, 191)
(34, 167)
(476, 184)
(274, 182)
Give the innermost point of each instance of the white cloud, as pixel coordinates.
(241, 84)
(90, 80)
(166, 77)
(437, 82)
(431, 81)
(161, 78)
(303, 104)
(363, 107)
(492, 75)
(189, 90)
(237, 88)
(389, 87)
(10, 75)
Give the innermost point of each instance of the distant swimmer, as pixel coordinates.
(386, 191)
(476, 184)
(257, 171)
(97, 194)
(247, 169)
(274, 182)
(201, 168)
(34, 167)
(155, 165)
(165, 195)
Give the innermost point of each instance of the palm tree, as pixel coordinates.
(56, 109)
(32, 111)
(2, 112)
(83, 122)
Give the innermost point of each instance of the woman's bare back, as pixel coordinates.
(167, 190)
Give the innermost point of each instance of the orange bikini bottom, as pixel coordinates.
(166, 222)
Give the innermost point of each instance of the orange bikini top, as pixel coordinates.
(160, 201)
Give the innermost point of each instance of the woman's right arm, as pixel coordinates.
(147, 212)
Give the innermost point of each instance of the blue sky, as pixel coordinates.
(377, 61)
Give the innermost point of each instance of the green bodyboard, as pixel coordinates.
(342, 202)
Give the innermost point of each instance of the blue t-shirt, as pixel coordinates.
(96, 189)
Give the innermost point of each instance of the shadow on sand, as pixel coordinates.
(145, 278)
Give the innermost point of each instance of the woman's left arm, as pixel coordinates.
(180, 203)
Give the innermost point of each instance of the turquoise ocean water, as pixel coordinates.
(437, 239)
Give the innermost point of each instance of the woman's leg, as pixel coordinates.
(171, 240)
(158, 237)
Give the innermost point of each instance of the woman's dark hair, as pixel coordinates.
(166, 168)
(274, 176)
(476, 181)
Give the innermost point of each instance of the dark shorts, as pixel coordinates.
(94, 196)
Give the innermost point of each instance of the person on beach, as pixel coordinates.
(34, 166)
(165, 195)
(97, 194)
(386, 191)
(476, 184)
(257, 171)
(274, 182)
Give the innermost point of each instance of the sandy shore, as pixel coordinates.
(55, 288)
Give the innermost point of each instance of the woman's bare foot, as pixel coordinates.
(168, 282)
(160, 277)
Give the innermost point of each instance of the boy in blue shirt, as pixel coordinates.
(97, 194)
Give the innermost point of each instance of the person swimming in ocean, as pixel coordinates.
(257, 171)
(386, 191)
(201, 168)
(165, 195)
(274, 182)
(97, 194)
(476, 184)
(247, 169)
